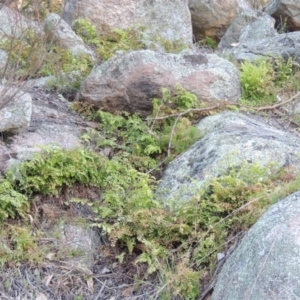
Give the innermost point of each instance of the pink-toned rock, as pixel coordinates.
(129, 82)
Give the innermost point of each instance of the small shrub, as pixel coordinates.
(209, 42)
(32, 56)
(283, 26)
(19, 245)
(283, 70)
(110, 41)
(12, 203)
(257, 80)
(50, 170)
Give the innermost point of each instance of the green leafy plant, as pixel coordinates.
(32, 56)
(256, 80)
(12, 203)
(144, 143)
(283, 70)
(19, 245)
(107, 42)
(263, 80)
(52, 169)
(283, 26)
(209, 42)
(129, 213)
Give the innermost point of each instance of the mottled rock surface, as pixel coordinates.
(3, 60)
(260, 39)
(129, 82)
(160, 19)
(15, 109)
(84, 242)
(13, 24)
(52, 124)
(266, 264)
(65, 36)
(230, 139)
(263, 22)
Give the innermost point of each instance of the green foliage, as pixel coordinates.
(209, 42)
(256, 80)
(18, 245)
(108, 42)
(39, 10)
(175, 46)
(283, 26)
(283, 70)
(32, 56)
(183, 281)
(12, 203)
(52, 169)
(144, 143)
(181, 97)
(264, 79)
(184, 135)
(129, 213)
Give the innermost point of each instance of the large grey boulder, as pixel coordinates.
(266, 264)
(230, 139)
(129, 82)
(260, 39)
(15, 109)
(262, 21)
(162, 21)
(66, 37)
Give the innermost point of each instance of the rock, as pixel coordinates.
(52, 125)
(266, 264)
(84, 242)
(3, 61)
(13, 24)
(162, 21)
(15, 109)
(129, 82)
(271, 6)
(264, 24)
(212, 18)
(260, 39)
(66, 37)
(3, 156)
(261, 28)
(42, 82)
(230, 140)
(289, 10)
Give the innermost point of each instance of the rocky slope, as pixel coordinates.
(127, 55)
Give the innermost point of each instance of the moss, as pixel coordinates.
(108, 41)
(32, 56)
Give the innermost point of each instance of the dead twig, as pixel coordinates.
(270, 107)
(101, 290)
(222, 105)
